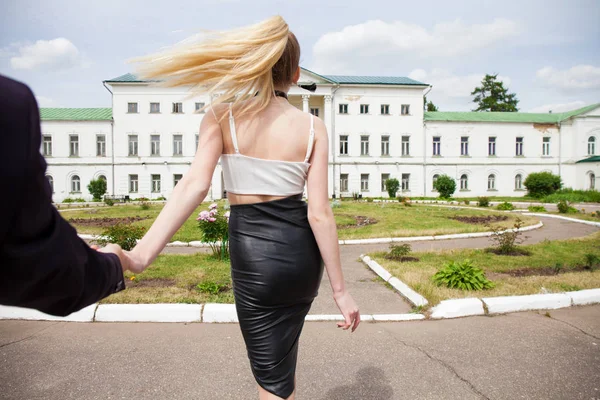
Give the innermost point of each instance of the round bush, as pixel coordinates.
(540, 184)
(446, 186)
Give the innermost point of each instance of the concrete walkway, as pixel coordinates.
(517, 356)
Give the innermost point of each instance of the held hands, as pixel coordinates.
(129, 260)
(349, 310)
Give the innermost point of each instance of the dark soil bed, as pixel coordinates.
(159, 282)
(479, 219)
(516, 253)
(360, 221)
(402, 259)
(545, 271)
(105, 222)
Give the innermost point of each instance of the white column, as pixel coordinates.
(327, 115)
(327, 118)
(305, 98)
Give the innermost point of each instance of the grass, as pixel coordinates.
(571, 252)
(175, 279)
(579, 215)
(394, 220)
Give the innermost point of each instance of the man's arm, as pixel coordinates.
(43, 263)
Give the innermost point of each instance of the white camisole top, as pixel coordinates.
(250, 175)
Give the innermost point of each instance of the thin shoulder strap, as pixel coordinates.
(232, 130)
(311, 138)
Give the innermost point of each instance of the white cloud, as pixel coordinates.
(452, 92)
(45, 101)
(57, 53)
(338, 52)
(559, 107)
(575, 78)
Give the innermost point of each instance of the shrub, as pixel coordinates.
(564, 207)
(144, 205)
(506, 240)
(369, 200)
(536, 209)
(355, 195)
(212, 287)
(398, 252)
(467, 202)
(161, 198)
(392, 186)
(446, 186)
(97, 187)
(540, 184)
(79, 200)
(215, 230)
(574, 196)
(68, 200)
(592, 261)
(462, 276)
(506, 206)
(125, 236)
(109, 202)
(483, 201)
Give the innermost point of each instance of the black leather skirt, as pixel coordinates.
(276, 268)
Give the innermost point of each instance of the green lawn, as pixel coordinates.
(393, 220)
(567, 253)
(175, 279)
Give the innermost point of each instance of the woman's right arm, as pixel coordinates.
(322, 223)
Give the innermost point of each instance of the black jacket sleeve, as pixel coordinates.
(43, 263)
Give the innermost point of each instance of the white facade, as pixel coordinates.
(377, 131)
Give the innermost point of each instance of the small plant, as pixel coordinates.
(392, 185)
(467, 202)
(536, 209)
(463, 276)
(79, 200)
(506, 206)
(161, 198)
(68, 200)
(406, 202)
(592, 261)
(212, 287)
(215, 230)
(336, 204)
(398, 252)
(144, 205)
(445, 185)
(369, 199)
(109, 202)
(355, 195)
(506, 240)
(125, 236)
(97, 187)
(563, 206)
(557, 268)
(483, 201)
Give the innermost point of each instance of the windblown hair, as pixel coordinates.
(240, 65)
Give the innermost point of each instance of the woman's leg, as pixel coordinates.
(264, 395)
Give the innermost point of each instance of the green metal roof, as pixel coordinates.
(76, 114)
(518, 117)
(127, 78)
(373, 80)
(590, 159)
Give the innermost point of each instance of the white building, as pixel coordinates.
(377, 127)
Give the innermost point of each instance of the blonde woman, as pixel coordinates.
(269, 151)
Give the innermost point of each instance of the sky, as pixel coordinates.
(547, 52)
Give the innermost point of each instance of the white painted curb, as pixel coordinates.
(581, 221)
(415, 298)
(219, 313)
(454, 308)
(584, 297)
(148, 313)
(84, 315)
(397, 317)
(505, 304)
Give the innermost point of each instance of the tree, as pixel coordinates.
(97, 188)
(429, 106)
(540, 184)
(445, 186)
(392, 185)
(493, 96)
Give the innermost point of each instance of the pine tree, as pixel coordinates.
(493, 96)
(429, 106)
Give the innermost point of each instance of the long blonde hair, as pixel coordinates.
(239, 65)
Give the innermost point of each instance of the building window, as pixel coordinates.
(593, 182)
(198, 107)
(364, 182)
(384, 178)
(177, 108)
(364, 145)
(155, 145)
(177, 145)
(314, 111)
(133, 183)
(343, 182)
(73, 145)
(47, 146)
(518, 182)
(343, 108)
(437, 141)
(385, 145)
(546, 146)
(492, 182)
(405, 109)
(519, 146)
(75, 184)
(133, 145)
(102, 177)
(591, 146)
(51, 183)
(405, 182)
(491, 146)
(364, 108)
(154, 108)
(132, 108)
(385, 109)
(344, 145)
(176, 179)
(405, 145)
(435, 178)
(101, 145)
(464, 182)
(155, 183)
(464, 146)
